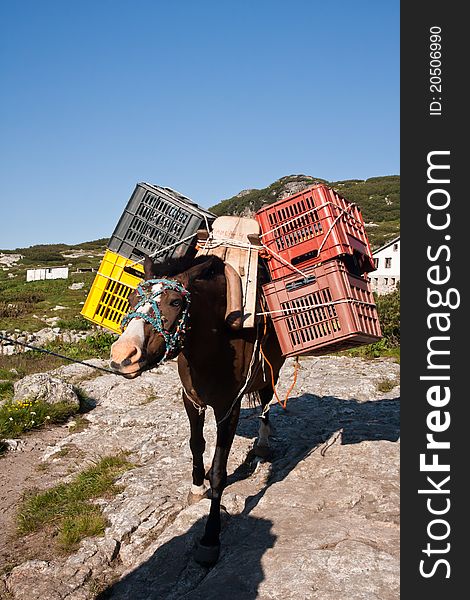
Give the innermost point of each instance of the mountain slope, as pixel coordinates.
(378, 197)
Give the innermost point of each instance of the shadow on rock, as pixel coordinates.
(172, 573)
(311, 420)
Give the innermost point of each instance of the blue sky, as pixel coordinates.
(208, 97)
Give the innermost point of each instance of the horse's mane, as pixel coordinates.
(174, 266)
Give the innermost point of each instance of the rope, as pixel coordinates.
(211, 243)
(312, 306)
(242, 391)
(283, 403)
(161, 250)
(200, 409)
(342, 214)
(284, 261)
(44, 351)
(333, 224)
(307, 212)
(147, 296)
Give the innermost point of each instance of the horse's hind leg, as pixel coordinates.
(197, 445)
(262, 447)
(207, 551)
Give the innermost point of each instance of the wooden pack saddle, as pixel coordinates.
(236, 241)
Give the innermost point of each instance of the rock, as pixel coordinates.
(320, 521)
(77, 286)
(39, 579)
(14, 444)
(44, 336)
(76, 372)
(42, 386)
(9, 259)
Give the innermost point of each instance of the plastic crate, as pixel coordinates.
(330, 310)
(314, 225)
(155, 218)
(107, 301)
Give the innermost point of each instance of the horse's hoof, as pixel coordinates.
(262, 451)
(193, 498)
(206, 556)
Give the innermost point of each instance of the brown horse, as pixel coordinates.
(192, 308)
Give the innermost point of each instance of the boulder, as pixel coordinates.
(43, 386)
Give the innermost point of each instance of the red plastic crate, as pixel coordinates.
(314, 225)
(330, 310)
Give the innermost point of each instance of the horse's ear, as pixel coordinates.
(199, 271)
(148, 267)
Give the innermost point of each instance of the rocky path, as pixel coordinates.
(320, 521)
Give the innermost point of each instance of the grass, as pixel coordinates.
(18, 417)
(94, 346)
(16, 366)
(67, 507)
(25, 305)
(19, 365)
(377, 350)
(6, 389)
(81, 423)
(77, 323)
(386, 385)
(62, 452)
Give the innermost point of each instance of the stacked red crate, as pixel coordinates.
(329, 310)
(312, 226)
(320, 298)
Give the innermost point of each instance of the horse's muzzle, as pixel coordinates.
(117, 368)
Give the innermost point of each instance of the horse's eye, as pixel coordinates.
(177, 303)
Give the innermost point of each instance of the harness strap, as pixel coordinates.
(173, 340)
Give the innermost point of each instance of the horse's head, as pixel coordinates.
(154, 328)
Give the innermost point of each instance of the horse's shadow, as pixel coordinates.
(171, 572)
(309, 421)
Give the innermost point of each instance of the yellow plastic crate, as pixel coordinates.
(107, 303)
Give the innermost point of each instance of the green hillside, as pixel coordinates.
(378, 197)
(77, 255)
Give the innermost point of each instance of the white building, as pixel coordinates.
(387, 263)
(51, 273)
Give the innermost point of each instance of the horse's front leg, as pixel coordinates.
(208, 548)
(197, 444)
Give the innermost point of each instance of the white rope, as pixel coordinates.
(284, 261)
(298, 217)
(213, 242)
(247, 381)
(200, 409)
(163, 249)
(331, 228)
(313, 306)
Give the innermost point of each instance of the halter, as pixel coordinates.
(173, 341)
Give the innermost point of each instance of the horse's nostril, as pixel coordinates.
(114, 365)
(126, 362)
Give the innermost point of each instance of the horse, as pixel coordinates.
(192, 309)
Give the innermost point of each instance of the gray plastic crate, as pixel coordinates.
(155, 218)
